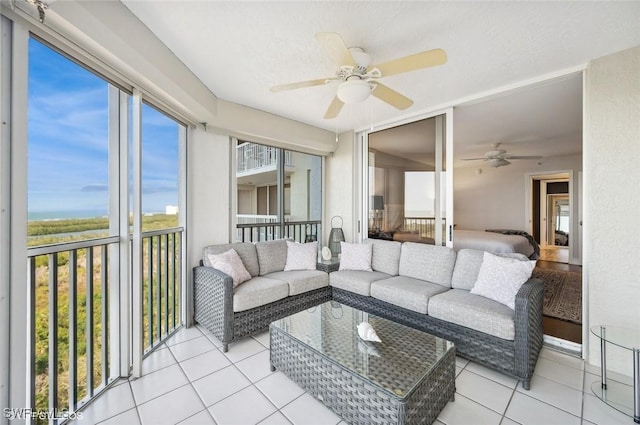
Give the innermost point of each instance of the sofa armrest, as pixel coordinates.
(213, 301)
(528, 326)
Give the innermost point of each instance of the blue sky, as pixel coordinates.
(68, 140)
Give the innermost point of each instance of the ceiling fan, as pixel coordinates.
(359, 79)
(499, 157)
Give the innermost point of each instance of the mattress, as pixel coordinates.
(496, 243)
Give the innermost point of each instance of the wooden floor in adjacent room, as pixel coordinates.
(556, 327)
(557, 254)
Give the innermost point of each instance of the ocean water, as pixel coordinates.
(65, 214)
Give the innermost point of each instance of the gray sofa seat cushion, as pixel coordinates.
(246, 251)
(473, 311)
(427, 262)
(301, 281)
(257, 292)
(385, 256)
(355, 281)
(467, 267)
(272, 256)
(406, 292)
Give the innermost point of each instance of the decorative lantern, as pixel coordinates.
(335, 237)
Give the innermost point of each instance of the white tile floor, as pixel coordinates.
(188, 380)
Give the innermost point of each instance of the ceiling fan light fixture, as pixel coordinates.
(354, 91)
(498, 162)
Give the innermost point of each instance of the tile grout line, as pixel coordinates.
(551, 405)
(190, 383)
(135, 406)
(493, 380)
(174, 389)
(186, 340)
(232, 364)
(253, 384)
(277, 411)
(504, 417)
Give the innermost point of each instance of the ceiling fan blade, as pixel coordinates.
(391, 96)
(473, 159)
(302, 84)
(412, 62)
(521, 157)
(334, 109)
(335, 47)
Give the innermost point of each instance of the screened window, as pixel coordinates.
(160, 168)
(279, 193)
(68, 149)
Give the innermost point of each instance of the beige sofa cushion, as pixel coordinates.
(427, 262)
(229, 262)
(257, 292)
(246, 251)
(468, 262)
(301, 281)
(272, 255)
(406, 292)
(355, 281)
(386, 256)
(473, 311)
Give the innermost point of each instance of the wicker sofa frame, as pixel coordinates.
(213, 302)
(516, 358)
(213, 297)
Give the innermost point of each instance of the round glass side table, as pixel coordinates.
(615, 394)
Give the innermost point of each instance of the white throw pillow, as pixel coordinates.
(355, 256)
(229, 262)
(500, 278)
(301, 256)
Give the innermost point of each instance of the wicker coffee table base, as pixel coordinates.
(353, 398)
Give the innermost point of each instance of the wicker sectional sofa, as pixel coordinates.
(423, 286)
(428, 287)
(271, 294)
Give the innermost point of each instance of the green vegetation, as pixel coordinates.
(72, 225)
(49, 232)
(46, 232)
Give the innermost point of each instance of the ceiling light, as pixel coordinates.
(354, 90)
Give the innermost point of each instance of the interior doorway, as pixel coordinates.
(552, 216)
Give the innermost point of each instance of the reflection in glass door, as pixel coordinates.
(407, 183)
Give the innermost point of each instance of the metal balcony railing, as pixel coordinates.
(300, 231)
(70, 322)
(162, 290)
(424, 226)
(251, 156)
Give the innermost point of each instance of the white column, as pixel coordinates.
(136, 257)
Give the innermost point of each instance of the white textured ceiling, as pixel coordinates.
(240, 49)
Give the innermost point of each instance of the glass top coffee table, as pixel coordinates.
(619, 396)
(407, 378)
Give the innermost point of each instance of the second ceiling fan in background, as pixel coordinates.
(359, 79)
(499, 157)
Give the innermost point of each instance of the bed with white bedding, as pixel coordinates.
(495, 241)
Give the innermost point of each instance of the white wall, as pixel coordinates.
(208, 192)
(299, 183)
(495, 199)
(339, 188)
(612, 199)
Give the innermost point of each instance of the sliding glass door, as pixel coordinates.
(407, 186)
